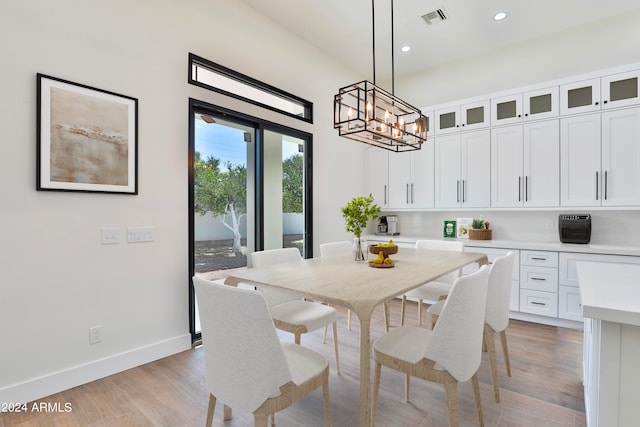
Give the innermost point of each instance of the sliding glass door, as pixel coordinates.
(249, 189)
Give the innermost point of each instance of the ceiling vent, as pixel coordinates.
(435, 16)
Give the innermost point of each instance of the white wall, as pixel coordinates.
(57, 279)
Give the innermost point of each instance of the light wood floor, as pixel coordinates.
(545, 388)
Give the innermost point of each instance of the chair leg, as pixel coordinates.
(402, 307)
(273, 419)
(376, 390)
(491, 350)
(327, 402)
(451, 395)
(385, 306)
(420, 313)
(210, 410)
(505, 350)
(228, 413)
(261, 419)
(407, 388)
(348, 320)
(324, 335)
(476, 397)
(335, 346)
(297, 338)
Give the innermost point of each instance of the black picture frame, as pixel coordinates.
(87, 138)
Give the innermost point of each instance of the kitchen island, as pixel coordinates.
(611, 308)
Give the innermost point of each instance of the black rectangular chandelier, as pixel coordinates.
(367, 113)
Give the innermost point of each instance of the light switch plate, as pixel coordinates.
(110, 235)
(139, 234)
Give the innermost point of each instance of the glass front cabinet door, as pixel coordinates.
(506, 110)
(541, 104)
(580, 97)
(620, 90)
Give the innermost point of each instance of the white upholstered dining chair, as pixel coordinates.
(437, 289)
(247, 367)
(341, 248)
(448, 354)
(496, 317)
(290, 312)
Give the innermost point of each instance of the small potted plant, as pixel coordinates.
(480, 230)
(357, 214)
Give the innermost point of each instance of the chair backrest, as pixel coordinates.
(499, 292)
(244, 361)
(336, 248)
(443, 245)
(456, 343)
(272, 257)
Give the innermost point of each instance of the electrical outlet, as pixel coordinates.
(110, 236)
(95, 334)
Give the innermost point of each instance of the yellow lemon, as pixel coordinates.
(388, 261)
(378, 261)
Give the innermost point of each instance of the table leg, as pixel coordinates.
(365, 368)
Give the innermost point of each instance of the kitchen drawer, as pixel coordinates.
(570, 303)
(539, 258)
(539, 278)
(538, 302)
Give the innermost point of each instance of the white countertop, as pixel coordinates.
(610, 292)
(528, 245)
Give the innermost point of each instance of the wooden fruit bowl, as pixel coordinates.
(386, 250)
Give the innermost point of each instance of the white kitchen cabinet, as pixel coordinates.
(612, 91)
(457, 118)
(621, 157)
(506, 110)
(462, 170)
(569, 303)
(580, 161)
(541, 104)
(620, 90)
(580, 97)
(378, 176)
(600, 159)
(525, 165)
(411, 178)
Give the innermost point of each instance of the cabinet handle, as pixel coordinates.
(385, 194)
(605, 101)
(412, 193)
(526, 188)
(407, 193)
(538, 258)
(538, 303)
(519, 188)
(539, 278)
(596, 103)
(458, 191)
(597, 185)
(463, 192)
(606, 181)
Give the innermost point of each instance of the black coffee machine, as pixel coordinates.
(383, 226)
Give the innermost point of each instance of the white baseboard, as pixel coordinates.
(46, 385)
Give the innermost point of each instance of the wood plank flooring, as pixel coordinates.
(545, 388)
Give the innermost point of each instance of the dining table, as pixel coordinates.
(359, 286)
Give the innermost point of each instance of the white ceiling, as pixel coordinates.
(343, 28)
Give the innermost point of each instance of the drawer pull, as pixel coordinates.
(538, 303)
(538, 278)
(538, 258)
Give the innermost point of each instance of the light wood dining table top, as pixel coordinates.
(339, 280)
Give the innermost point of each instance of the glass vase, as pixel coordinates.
(360, 250)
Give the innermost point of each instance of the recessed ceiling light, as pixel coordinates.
(499, 16)
(405, 48)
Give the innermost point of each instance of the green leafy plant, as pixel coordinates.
(477, 224)
(358, 212)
